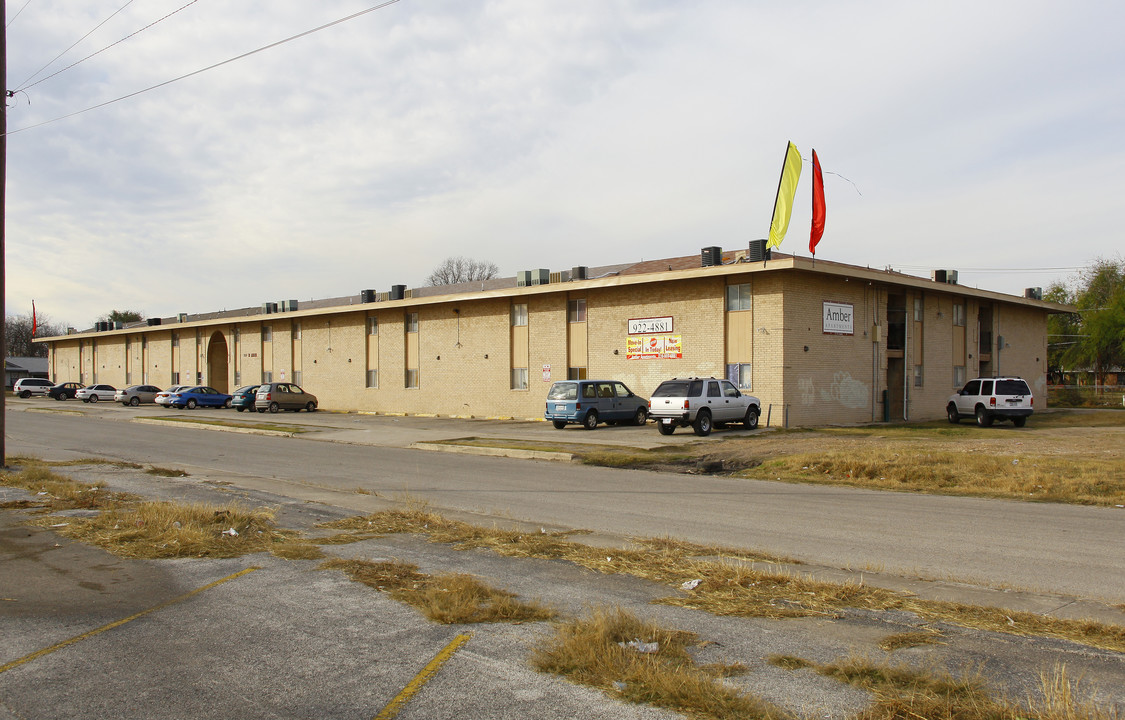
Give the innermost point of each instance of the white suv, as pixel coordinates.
(988, 399)
(701, 403)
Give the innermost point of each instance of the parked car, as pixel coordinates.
(199, 395)
(243, 398)
(94, 393)
(26, 387)
(65, 390)
(702, 403)
(136, 394)
(277, 396)
(588, 402)
(163, 397)
(989, 399)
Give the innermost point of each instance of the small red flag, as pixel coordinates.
(34, 322)
(817, 204)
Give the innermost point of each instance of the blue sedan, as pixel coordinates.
(192, 398)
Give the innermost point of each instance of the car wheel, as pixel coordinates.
(134, 401)
(310, 406)
(60, 397)
(702, 424)
(25, 394)
(590, 421)
(274, 407)
(666, 428)
(192, 404)
(1019, 421)
(954, 416)
(85, 399)
(261, 410)
(559, 424)
(240, 409)
(93, 398)
(641, 416)
(983, 418)
(227, 403)
(750, 422)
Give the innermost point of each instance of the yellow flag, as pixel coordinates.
(786, 189)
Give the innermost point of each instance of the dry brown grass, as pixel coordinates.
(592, 651)
(915, 638)
(902, 692)
(54, 492)
(447, 599)
(729, 586)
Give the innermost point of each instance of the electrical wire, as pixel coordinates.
(24, 85)
(209, 67)
(19, 11)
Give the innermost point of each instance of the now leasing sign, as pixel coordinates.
(839, 318)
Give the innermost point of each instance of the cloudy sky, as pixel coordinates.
(981, 136)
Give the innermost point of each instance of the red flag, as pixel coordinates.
(34, 323)
(817, 204)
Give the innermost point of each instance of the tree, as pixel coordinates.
(1099, 342)
(123, 316)
(462, 269)
(17, 333)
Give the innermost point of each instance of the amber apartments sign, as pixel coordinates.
(839, 318)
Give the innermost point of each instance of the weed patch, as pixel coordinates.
(447, 599)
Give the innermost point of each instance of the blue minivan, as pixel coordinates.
(589, 402)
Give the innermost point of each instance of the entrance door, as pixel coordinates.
(217, 363)
(896, 377)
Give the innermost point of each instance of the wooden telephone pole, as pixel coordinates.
(3, 215)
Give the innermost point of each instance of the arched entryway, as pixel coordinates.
(217, 362)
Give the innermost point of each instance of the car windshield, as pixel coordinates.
(563, 391)
(673, 388)
(1012, 387)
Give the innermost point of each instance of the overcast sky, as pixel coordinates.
(980, 136)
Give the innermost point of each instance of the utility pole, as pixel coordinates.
(3, 216)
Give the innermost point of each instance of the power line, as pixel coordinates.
(24, 85)
(17, 14)
(209, 67)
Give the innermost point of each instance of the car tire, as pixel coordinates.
(641, 416)
(750, 422)
(192, 404)
(261, 410)
(60, 397)
(93, 398)
(1019, 421)
(559, 424)
(310, 406)
(951, 412)
(240, 409)
(665, 428)
(227, 403)
(702, 424)
(25, 394)
(134, 401)
(983, 418)
(274, 407)
(591, 420)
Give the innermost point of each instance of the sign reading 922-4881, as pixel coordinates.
(839, 318)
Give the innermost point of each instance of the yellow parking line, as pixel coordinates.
(103, 628)
(394, 706)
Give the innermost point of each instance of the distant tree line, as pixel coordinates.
(1092, 339)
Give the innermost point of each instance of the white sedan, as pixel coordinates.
(94, 393)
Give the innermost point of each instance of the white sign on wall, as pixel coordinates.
(839, 318)
(650, 326)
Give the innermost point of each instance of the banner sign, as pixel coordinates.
(839, 318)
(665, 347)
(649, 326)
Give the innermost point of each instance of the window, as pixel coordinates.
(199, 378)
(918, 309)
(576, 311)
(519, 378)
(144, 343)
(175, 378)
(237, 377)
(959, 314)
(175, 339)
(738, 297)
(576, 373)
(373, 378)
(237, 334)
(297, 330)
(372, 328)
(519, 315)
(267, 376)
(411, 325)
(297, 377)
(917, 376)
(267, 334)
(740, 374)
(129, 378)
(411, 378)
(713, 389)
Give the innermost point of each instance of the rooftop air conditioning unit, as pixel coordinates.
(561, 276)
(397, 292)
(1033, 293)
(711, 256)
(523, 278)
(382, 297)
(153, 321)
(288, 305)
(944, 276)
(542, 276)
(758, 251)
(182, 317)
(367, 296)
(268, 308)
(579, 272)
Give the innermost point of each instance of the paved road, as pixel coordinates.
(1042, 547)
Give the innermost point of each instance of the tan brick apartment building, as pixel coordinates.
(818, 342)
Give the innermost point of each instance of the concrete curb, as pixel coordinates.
(494, 451)
(220, 428)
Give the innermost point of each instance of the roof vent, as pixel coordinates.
(268, 308)
(153, 321)
(711, 256)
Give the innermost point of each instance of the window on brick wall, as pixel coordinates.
(519, 315)
(918, 374)
(959, 314)
(175, 339)
(959, 376)
(411, 380)
(175, 378)
(296, 377)
(267, 376)
(738, 297)
(297, 330)
(267, 334)
(411, 322)
(373, 378)
(741, 375)
(919, 309)
(519, 378)
(237, 377)
(576, 373)
(576, 310)
(372, 325)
